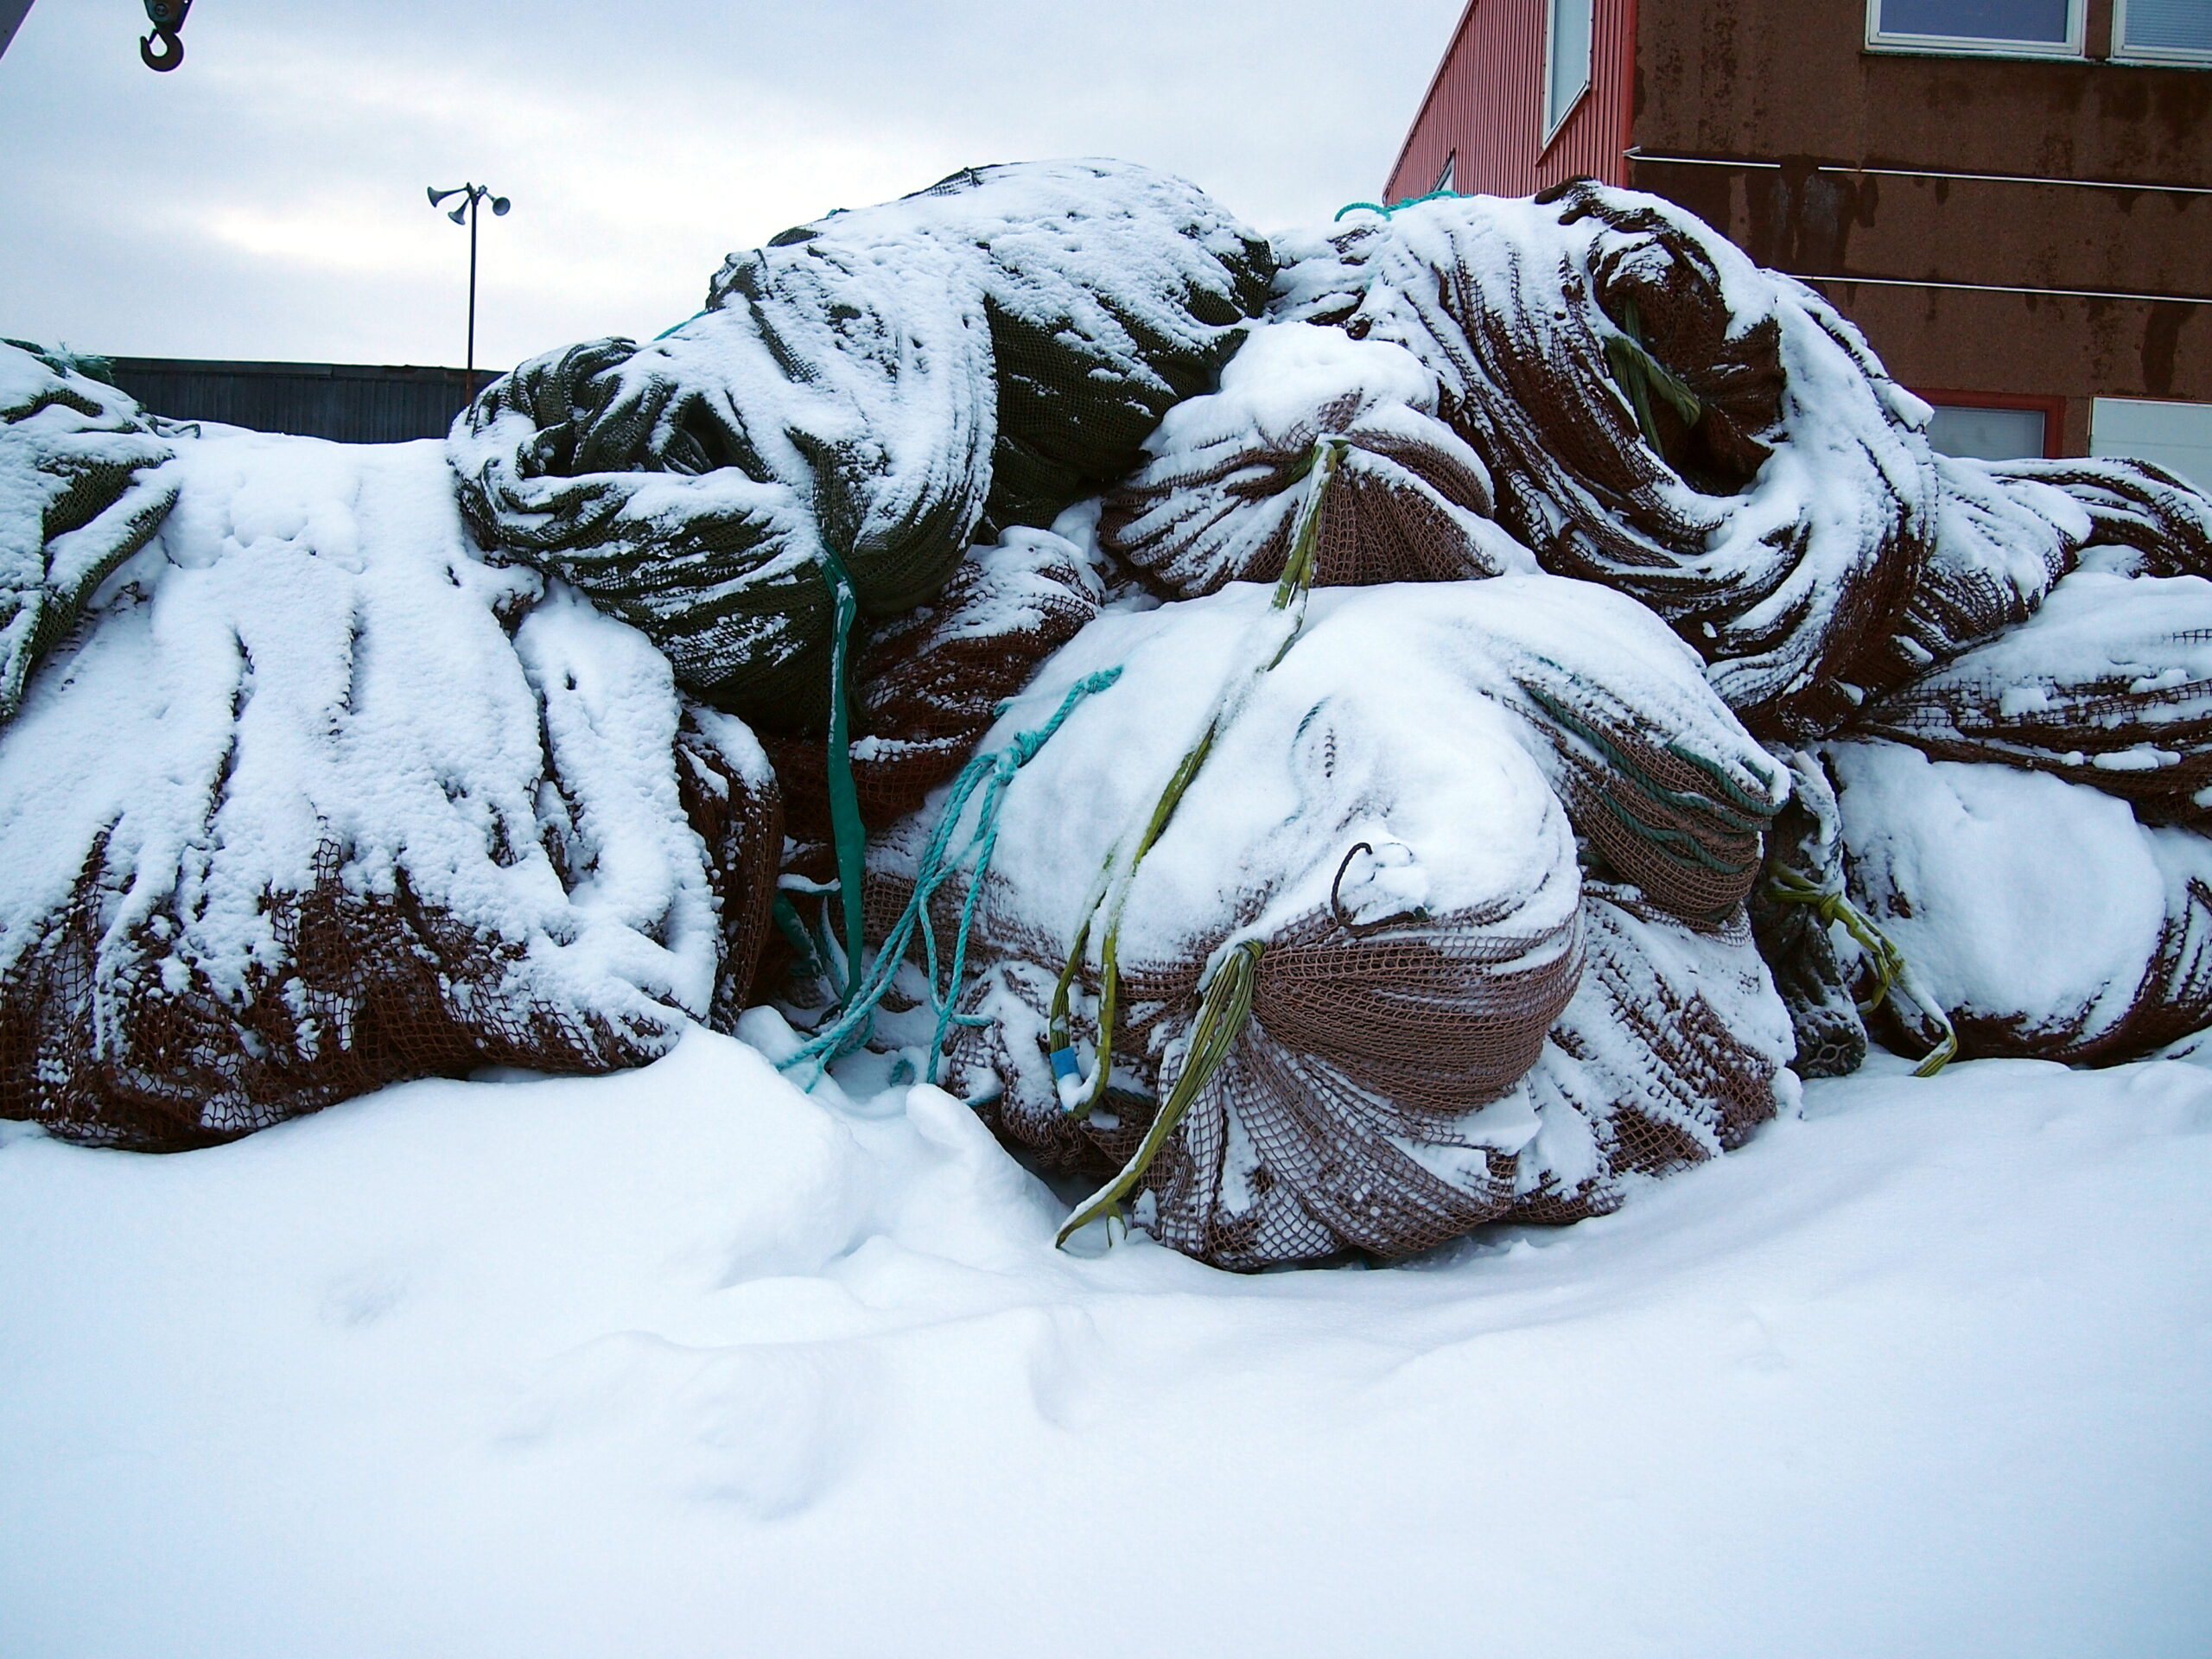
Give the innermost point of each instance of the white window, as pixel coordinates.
(2178, 437)
(2006, 27)
(1986, 434)
(1447, 180)
(1566, 59)
(2162, 31)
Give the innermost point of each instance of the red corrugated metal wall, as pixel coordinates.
(1486, 105)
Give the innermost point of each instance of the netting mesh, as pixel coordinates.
(85, 488)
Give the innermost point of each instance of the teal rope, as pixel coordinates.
(991, 774)
(1409, 202)
(846, 830)
(686, 323)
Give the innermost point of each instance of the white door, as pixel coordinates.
(2178, 437)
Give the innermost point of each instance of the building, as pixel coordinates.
(352, 402)
(2012, 198)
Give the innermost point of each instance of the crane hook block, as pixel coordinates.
(168, 19)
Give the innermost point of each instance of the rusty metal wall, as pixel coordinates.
(2079, 268)
(1485, 107)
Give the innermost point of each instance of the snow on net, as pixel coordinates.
(82, 486)
(866, 392)
(1381, 816)
(324, 801)
(2044, 917)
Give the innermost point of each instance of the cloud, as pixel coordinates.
(266, 200)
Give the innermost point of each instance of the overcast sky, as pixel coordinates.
(265, 200)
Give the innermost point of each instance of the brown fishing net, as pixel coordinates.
(2109, 684)
(1346, 1097)
(324, 802)
(1625, 374)
(2042, 917)
(1217, 500)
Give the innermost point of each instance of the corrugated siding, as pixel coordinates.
(1486, 105)
(351, 403)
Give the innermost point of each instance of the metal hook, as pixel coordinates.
(1343, 918)
(167, 18)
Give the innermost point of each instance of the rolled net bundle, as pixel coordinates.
(1660, 414)
(2109, 684)
(324, 802)
(1369, 851)
(859, 398)
(82, 488)
(1224, 473)
(2041, 917)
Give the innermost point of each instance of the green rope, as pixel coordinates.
(1112, 889)
(1891, 970)
(1639, 374)
(1225, 1008)
(990, 774)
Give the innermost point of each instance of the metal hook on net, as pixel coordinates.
(168, 19)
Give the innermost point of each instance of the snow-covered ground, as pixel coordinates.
(684, 1362)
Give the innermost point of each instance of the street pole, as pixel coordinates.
(474, 196)
(468, 374)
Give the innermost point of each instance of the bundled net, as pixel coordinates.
(1216, 498)
(82, 488)
(324, 802)
(1374, 833)
(2109, 684)
(859, 399)
(2042, 917)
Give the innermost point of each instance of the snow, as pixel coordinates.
(684, 1361)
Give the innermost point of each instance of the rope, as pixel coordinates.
(1111, 893)
(1407, 201)
(847, 831)
(990, 773)
(1224, 1008)
(1892, 971)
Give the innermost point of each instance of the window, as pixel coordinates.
(1566, 59)
(2177, 436)
(1986, 434)
(1446, 180)
(2162, 31)
(2005, 27)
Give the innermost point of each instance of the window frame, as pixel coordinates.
(1553, 124)
(1959, 46)
(2167, 56)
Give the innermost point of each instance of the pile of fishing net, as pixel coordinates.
(316, 800)
(1340, 741)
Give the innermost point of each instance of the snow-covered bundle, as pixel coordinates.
(2108, 683)
(1659, 414)
(321, 800)
(859, 399)
(81, 488)
(2041, 914)
(1223, 474)
(1383, 827)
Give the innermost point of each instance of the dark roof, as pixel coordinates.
(354, 402)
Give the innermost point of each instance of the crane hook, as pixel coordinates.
(168, 19)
